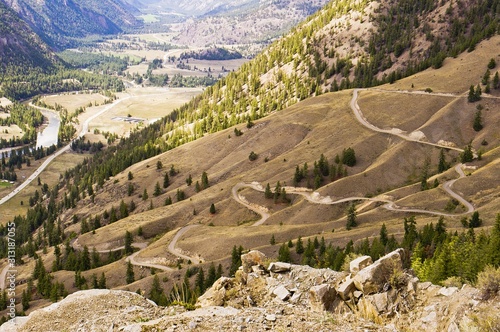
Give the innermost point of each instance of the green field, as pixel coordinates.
(5, 184)
(149, 18)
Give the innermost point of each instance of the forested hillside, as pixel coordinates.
(59, 22)
(19, 45)
(29, 67)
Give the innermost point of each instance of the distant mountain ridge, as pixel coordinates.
(189, 8)
(58, 21)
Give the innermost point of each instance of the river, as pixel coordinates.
(48, 136)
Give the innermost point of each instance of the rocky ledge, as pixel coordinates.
(373, 296)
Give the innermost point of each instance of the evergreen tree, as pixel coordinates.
(156, 293)
(25, 301)
(211, 276)
(200, 281)
(128, 243)
(123, 210)
(204, 180)
(212, 208)
(166, 180)
(157, 192)
(351, 217)
(349, 157)
(189, 180)
(299, 246)
(102, 281)
(130, 278)
(85, 259)
(273, 240)
(130, 176)
(159, 165)
(268, 193)
(442, 165)
(284, 253)
(467, 155)
(145, 195)
(477, 124)
(235, 259)
(130, 189)
(384, 236)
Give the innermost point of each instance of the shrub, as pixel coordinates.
(488, 282)
(252, 156)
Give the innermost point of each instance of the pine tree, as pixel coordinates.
(145, 195)
(211, 276)
(166, 180)
(128, 243)
(284, 254)
(351, 217)
(123, 209)
(200, 281)
(268, 193)
(467, 155)
(235, 259)
(349, 157)
(130, 278)
(204, 180)
(273, 240)
(102, 281)
(299, 246)
(189, 180)
(442, 165)
(384, 236)
(130, 176)
(212, 208)
(157, 192)
(496, 81)
(477, 124)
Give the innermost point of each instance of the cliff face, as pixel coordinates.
(280, 296)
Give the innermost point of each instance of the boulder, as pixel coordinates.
(346, 288)
(252, 258)
(372, 278)
(214, 296)
(321, 297)
(279, 267)
(282, 293)
(448, 291)
(360, 263)
(380, 301)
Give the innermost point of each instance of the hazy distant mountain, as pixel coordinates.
(59, 21)
(186, 7)
(243, 22)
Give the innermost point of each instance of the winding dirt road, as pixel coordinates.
(177, 252)
(314, 197)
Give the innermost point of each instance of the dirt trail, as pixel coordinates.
(316, 198)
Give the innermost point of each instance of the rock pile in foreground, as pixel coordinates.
(374, 296)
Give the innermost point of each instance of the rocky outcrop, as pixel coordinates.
(282, 297)
(373, 278)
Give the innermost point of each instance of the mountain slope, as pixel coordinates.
(248, 22)
(57, 22)
(19, 45)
